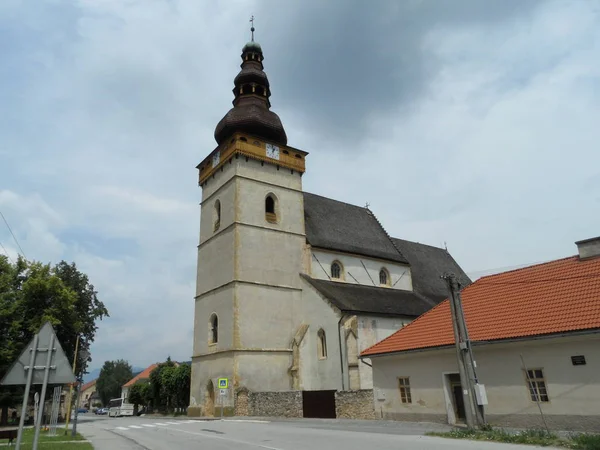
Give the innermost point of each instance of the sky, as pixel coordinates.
(468, 124)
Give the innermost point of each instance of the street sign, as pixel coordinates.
(223, 383)
(60, 368)
(43, 361)
(223, 392)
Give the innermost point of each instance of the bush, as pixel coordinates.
(586, 441)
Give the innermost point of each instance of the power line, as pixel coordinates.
(13, 235)
(7, 255)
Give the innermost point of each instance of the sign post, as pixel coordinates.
(43, 353)
(223, 386)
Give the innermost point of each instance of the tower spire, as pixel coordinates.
(251, 105)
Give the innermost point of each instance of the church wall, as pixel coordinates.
(267, 316)
(270, 257)
(220, 270)
(263, 371)
(353, 265)
(217, 180)
(251, 206)
(268, 173)
(371, 330)
(221, 303)
(225, 194)
(315, 373)
(204, 370)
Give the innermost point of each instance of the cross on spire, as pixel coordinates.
(252, 27)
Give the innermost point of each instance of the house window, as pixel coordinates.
(321, 344)
(404, 385)
(336, 270)
(271, 208)
(384, 277)
(537, 385)
(217, 216)
(213, 331)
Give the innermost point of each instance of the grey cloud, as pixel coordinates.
(341, 61)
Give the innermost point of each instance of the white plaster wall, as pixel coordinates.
(572, 389)
(264, 371)
(268, 173)
(269, 257)
(399, 273)
(371, 330)
(215, 262)
(266, 316)
(227, 196)
(315, 373)
(208, 368)
(221, 303)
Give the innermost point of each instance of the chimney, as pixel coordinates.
(589, 248)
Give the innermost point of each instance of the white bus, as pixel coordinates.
(117, 407)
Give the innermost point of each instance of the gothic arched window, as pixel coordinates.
(336, 270)
(384, 277)
(213, 332)
(321, 344)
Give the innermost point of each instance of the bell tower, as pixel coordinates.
(250, 251)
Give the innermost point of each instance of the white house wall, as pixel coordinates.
(574, 391)
(370, 331)
(400, 275)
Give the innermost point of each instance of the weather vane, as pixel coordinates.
(252, 27)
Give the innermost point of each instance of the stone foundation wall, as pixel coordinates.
(275, 404)
(354, 404)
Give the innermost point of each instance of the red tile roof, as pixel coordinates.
(144, 375)
(554, 297)
(88, 385)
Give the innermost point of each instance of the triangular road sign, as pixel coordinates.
(60, 372)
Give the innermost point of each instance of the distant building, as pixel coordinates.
(141, 376)
(549, 313)
(88, 394)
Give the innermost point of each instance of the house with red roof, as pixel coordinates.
(535, 335)
(142, 376)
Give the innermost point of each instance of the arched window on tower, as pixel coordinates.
(384, 277)
(217, 216)
(271, 208)
(321, 344)
(213, 329)
(336, 270)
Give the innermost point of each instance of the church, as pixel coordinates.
(291, 286)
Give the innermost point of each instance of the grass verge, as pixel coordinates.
(58, 442)
(528, 437)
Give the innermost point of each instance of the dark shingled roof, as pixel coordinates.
(343, 227)
(371, 299)
(427, 265)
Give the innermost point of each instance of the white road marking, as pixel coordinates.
(148, 425)
(121, 428)
(134, 426)
(226, 439)
(173, 423)
(163, 424)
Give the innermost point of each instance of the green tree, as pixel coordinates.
(183, 375)
(113, 375)
(140, 394)
(160, 386)
(32, 293)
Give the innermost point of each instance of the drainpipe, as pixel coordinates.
(341, 354)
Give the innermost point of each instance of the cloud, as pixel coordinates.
(459, 122)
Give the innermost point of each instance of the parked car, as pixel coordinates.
(82, 410)
(101, 411)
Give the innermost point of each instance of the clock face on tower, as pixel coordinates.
(272, 151)
(216, 159)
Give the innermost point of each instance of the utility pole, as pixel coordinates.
(464, 355)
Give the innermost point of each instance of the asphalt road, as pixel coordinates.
(144, 433)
